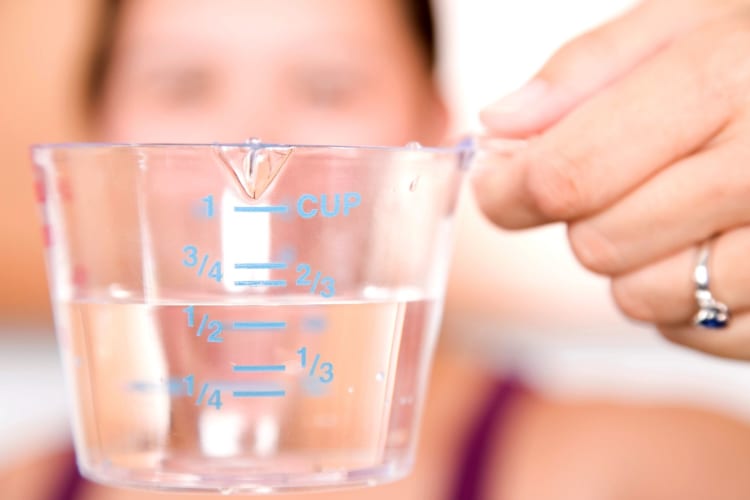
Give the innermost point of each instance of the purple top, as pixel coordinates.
(472, 467)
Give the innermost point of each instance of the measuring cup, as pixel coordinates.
(246, 317)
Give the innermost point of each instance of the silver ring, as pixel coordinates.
(711, 314)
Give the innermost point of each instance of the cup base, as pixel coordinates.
(243, 483)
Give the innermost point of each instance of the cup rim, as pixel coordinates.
(465, 145)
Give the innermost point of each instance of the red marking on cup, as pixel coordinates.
(80, 276)
(66, 192)
(40, 191)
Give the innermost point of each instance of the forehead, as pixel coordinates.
(245, 23)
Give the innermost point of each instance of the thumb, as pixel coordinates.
(589, 63)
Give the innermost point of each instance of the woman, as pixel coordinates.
(338, 71)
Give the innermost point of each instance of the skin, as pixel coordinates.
(241, 79)
(640, 194)
(549, 449)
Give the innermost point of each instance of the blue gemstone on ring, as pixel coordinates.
(712, 323)
(712, 315)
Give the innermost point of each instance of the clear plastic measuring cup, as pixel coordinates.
(247, 317)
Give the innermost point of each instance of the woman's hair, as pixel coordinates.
(418, 12)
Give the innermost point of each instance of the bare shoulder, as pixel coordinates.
(589, 449)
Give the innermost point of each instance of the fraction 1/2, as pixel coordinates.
(214, 326)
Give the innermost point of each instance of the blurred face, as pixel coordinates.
(300, 71)
(312, 71)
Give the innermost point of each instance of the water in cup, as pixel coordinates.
(232, 324)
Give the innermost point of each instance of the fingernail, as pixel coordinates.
(527, 96)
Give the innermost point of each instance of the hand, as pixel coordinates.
(639, 139)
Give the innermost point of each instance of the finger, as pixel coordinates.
(733, 342)
(661, 112)
(663, 293)
(592, 61)
(686, 203)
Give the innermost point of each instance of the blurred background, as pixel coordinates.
(533, 308)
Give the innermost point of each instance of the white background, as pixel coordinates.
(490, 47)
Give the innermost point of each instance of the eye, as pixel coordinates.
(325, 92)
(181, 86)
(329, 89)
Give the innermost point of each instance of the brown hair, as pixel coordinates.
(104, 39)
(419, 13)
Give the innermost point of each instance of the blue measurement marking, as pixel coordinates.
(269, 209)
(314, 324)
(172, 386)
(203, 265)
(315, 365)
(258, 394)
(288, 254)
(315, 282)
(199, 401)
(244, 385)
(202, 326)
(259, 368)
(281, 283)
(259, 325)
(261, 265)
(140, 386)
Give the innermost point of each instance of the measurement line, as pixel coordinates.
(269, 209)
(259, 325)
(143, 386)
(259, 368)
(258, 394)
(261, 265)
(281, 283)
(174, 387)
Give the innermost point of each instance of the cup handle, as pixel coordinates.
(477, 148)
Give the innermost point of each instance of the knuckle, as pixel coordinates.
(731, 185)
(737, 86)
(554, 186)
(590, 48)
(720, 189)
(599, 44)
(630, 300)
(724, 49)
(594, 250)
(734, 43)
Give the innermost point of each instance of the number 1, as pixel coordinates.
(190, 317)
(189, 380)
(209, 201)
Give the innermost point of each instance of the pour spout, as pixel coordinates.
(254, 165)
